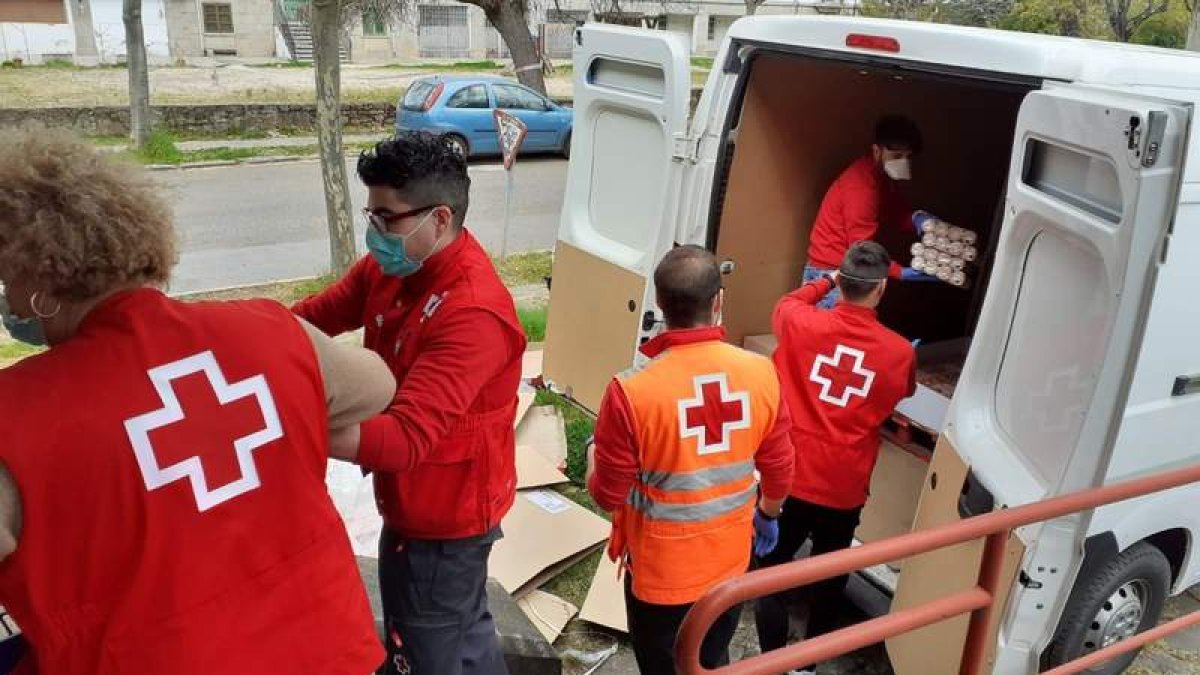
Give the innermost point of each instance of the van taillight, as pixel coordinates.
(433, 97)
(876, 42)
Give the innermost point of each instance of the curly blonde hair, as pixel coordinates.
(75, 224)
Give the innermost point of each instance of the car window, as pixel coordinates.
(414, 98)
(474, 96)
(516, 98)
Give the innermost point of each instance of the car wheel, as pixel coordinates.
(1123, 598)
(566, 146)
(459, 144)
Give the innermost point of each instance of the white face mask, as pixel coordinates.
(898, 169)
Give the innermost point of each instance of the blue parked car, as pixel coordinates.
(460, 108)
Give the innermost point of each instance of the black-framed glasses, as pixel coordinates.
(381, 222)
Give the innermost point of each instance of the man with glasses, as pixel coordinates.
(443, 454)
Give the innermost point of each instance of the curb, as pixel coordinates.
(283, 159)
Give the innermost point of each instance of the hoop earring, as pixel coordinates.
(33, 304)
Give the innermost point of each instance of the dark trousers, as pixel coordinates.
(830, 530)
(653, 629)
(435, 606)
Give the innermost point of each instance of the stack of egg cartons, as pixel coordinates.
(945, 251)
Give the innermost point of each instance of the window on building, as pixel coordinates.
(712, 28)
(373, 25)
(218, 17)
(474, 96)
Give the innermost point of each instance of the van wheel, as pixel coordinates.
(459, 144)
(1124, 598)
(566, 146)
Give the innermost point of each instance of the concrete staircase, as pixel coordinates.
(298, 37)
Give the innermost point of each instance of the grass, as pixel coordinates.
(12, 351)
(533, 320)
(522, 269)
(161, 149)
(702, 62)
(457, 66)
(284, 64)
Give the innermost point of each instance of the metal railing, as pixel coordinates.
(980, 600)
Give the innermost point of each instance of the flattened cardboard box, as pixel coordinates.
(549, 613)
(542, 529)
(605, 603)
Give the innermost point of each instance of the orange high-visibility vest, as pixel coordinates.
(700, 412)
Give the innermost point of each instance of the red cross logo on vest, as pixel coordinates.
(842, 376)
(714, 414)
(191, 468)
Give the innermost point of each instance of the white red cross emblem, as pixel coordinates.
(191, 468)
(842, 376)
(714, 414)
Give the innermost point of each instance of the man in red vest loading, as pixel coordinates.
(676, 446)
(866, 196)
(843, 373)
(443, 454)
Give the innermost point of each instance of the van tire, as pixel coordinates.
(566, 147)
(1108, 600)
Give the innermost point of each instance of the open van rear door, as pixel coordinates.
(632, 92)
(1093, 185)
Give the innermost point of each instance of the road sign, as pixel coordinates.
(512, 133)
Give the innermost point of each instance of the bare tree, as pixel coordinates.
(752, 6)
(511, 19)
(1193, 35)
(1124, 21)
(139, 73)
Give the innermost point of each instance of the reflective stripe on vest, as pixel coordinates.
(692, 511)
(697, 480)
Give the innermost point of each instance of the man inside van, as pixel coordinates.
(865, 196)
(842, 373)
(677, 443)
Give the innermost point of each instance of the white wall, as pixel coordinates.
(31, 41)
(110, 29)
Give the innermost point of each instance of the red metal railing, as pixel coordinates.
(980, 600)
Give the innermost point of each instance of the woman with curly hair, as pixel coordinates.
(162, 497)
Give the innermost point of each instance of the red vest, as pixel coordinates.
(700, 413)
(468, 482)
(171, 461)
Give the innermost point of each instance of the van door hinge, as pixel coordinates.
(1028, 581)
(1156, 129)
(685, 148)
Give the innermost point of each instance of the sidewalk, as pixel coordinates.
(273, 142)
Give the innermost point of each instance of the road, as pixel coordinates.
(251, 224)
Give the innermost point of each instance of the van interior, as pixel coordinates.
(800, 120)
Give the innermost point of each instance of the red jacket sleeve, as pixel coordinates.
(803, 299)
(339, 308)
(776, 457)
(470, 348)
(616, 455)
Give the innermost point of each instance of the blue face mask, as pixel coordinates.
(29, 331)
(390, 252)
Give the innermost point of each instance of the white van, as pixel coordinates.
(1073, 360)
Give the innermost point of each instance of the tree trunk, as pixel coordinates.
(510, 17)
(1193, 37)
(751, 7)
(327, 35)
(139, 74)
(85, 30)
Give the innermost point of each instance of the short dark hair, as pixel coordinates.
(686, 281)
(425, 169)
(863, 268)
(896, 132)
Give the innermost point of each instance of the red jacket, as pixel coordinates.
(149, 543)
(617, 454)
(443, 454)
(858, 202)
(843, 373)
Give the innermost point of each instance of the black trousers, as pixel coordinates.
(653, 629)
(830, 530)
(435, 606)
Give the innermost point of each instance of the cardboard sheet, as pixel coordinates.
(761, 344)
(525, 397)
(896, 488)
(534, 470)
(543, 430)
(542, 530)
(549, 613)
(531, 364)
(605, 602)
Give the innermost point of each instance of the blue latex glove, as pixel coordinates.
(766, 533)
(909, 274)
(921, 220)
